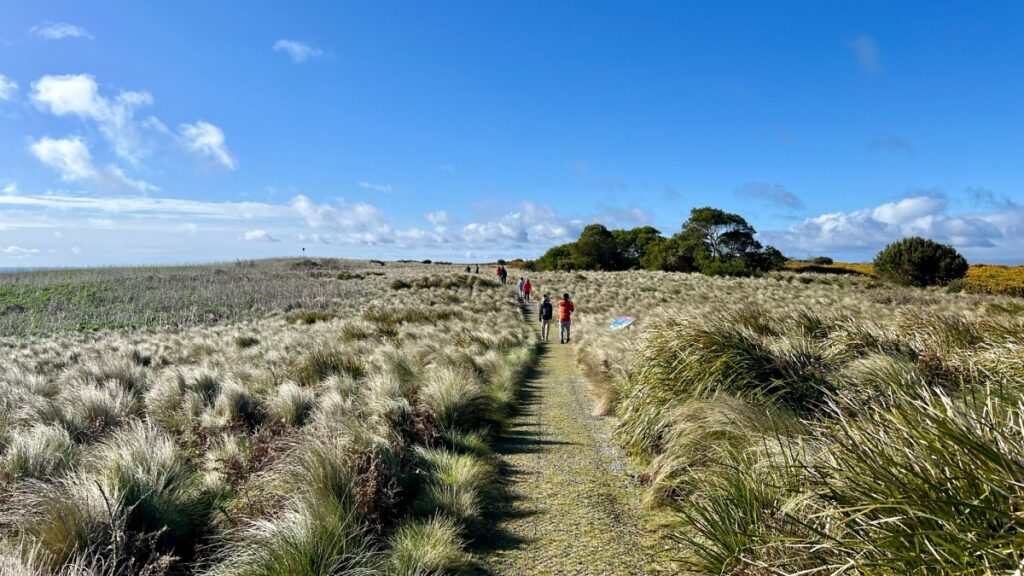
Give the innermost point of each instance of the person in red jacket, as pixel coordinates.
(565, 310)
(527, 288)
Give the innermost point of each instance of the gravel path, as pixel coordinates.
(569, 506)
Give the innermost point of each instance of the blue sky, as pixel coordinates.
(138, 132)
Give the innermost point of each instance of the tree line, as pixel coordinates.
(720, 243)
(711, 241)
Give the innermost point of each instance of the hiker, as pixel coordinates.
(477, 269)
(504, 275)
(497, 272)
(545, 318)
(519, 287)
(467, 269)
(565, 310)
(527, 288)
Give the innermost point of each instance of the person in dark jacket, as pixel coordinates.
(546, 311)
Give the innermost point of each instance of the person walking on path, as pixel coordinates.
(527, 288)
(504, 275)
(546, 311)
(565, 310)
(519, 287)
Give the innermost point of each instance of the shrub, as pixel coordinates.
(920, 262)
(291, 404)
(457, 484)
(821, 261)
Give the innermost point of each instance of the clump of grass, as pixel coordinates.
(40, 452)
(309, 317)
(291, 404)
(455, 397)
(457, 485)
(429, 546)
(323, 361)
(245, 341)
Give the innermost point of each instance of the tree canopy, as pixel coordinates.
(711, 241)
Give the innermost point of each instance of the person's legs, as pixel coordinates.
(563, 327)
(545, 327)
(566, 328)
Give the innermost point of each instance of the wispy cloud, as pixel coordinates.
(70, 157)
(776, 194)
(892, 143)
(8, 88)
(59, 30)
(448, 168)
(866, 50)
(298, 51)
(208, 140)
(18, 251)
(385, 188)
(79, 95)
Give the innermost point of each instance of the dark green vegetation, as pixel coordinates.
(711, 241)
(920, 262)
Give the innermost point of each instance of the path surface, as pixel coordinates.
(570, 506)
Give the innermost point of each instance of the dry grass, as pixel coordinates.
(213, 429)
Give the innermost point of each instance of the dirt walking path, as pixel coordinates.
(570, 506)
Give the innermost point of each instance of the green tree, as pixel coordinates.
(636, 242)
(596, 249)
(920, 262)
(557, 258)
(719, 235)
(670, 255)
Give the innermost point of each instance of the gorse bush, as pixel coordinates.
(920, 262)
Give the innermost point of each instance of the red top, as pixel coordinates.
(565, 310)
(527, 287)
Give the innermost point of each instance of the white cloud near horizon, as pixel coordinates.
(297, 50)
(71, 158)
(208, 140)
(8, 88)
(438, 218)
(866, 50)
(994, 235)
(258, 235)
(59, 31)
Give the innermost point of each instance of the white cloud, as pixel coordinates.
(208, 140)
(71, 158)
(770, 193)
(994, 235)
(156, 207)
(17, 251)
(59, 30)
(78, 95)
(866, 50)
(76, 250)
(297, 50)
(439, 218)
(258, 235)
(385, 188)
(8, 88)
(448, 168)
(10, 188)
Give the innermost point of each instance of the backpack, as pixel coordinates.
(545, 311)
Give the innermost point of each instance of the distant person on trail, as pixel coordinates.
(519, 287)
(527, 288)
(477, 269)
(565, 310)
(546, 311)
(497, 272)
(504, 275)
